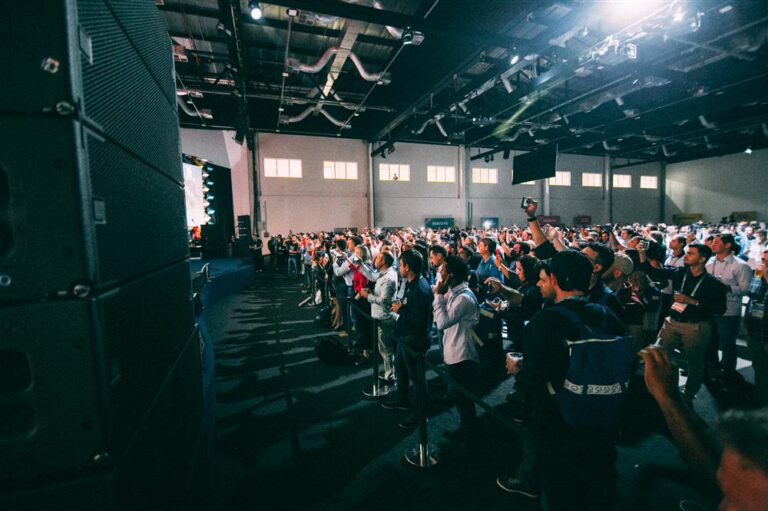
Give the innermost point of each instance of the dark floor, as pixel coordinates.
(296, 433)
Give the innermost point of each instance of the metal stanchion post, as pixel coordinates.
(349, 323)
(423, 455)
(378, 389)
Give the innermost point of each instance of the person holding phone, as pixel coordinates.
(456, 312)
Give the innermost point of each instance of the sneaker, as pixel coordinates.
(395, 404)
(514, 485)
(409, 422)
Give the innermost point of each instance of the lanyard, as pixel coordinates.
(695, 288)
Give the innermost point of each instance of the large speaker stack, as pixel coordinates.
(100, 387)
(220, 230)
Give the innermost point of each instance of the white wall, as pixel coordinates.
(716, 187)
(636, 204)
(312, 203)
(219, 147)
(568, 202)
(409, 203)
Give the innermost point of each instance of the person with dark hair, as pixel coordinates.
(735, 273)
(698, 297)
(437, 255)
(576, 464)
(602, 259)
(413, 320)
(524, 302)
(486, 247)
(342, 284)
(740, 466)
(380, 299)
(456, 312)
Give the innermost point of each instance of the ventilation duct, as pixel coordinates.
(704, 122)
(186, 109)
(667, 152)
(440, 127)
(295, 65)
(318, 108)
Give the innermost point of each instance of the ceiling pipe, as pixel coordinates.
(704, 122)
(382, 78)
(667, 152)
(340, 124)
(440, 127)
(345, 104)
(284, 119)
(317, 66)
(608, 147)
(185, 108)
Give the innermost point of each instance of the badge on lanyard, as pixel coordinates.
(679, 307)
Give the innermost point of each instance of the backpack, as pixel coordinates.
(599, 369)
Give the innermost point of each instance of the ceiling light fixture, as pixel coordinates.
(254, 9)
(748, 150)
(407, 37)
(678, 16)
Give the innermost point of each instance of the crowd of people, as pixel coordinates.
(581, 307)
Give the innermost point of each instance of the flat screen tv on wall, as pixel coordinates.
(538, 164)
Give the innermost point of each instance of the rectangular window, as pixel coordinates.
(593, 179)
(622, 181)
(485, 176)
(512, 175)
(649, 182)
(340, 170)
(439, 174)
(562, 178)
(282, 167)
(394, 172)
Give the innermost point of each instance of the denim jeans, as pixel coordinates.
(293, 267)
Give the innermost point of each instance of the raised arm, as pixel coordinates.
(690, 433)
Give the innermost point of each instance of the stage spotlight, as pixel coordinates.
(748, 150)
(486, 159)
(255, 9)
(505, 154)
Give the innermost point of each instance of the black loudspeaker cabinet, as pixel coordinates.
(89, 155)
(79, 375)
(165, 466)
(96, 317)
(244, 227)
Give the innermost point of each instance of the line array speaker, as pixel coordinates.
(96, 317)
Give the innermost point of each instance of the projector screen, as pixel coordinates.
(538, 164)
(193, 192)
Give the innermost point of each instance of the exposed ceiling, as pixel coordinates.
(638, 79)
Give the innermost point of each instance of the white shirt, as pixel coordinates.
(455, 313)
(675, 262)
(734, 273)
(383, 293)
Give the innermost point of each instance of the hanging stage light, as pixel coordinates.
(255, 9)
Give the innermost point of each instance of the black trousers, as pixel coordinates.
(467, 374)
